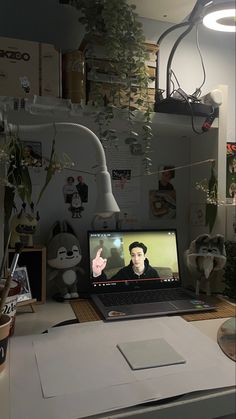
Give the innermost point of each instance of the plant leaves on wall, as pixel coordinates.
(211, 205)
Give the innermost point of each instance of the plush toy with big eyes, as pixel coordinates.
(206, 255)
(63, 257)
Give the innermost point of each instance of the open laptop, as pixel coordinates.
(119, 294)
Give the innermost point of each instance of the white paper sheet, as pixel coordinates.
(89, 393)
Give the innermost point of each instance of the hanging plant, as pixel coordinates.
(113, 25)
(210, 187)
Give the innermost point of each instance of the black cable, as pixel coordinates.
(177, 81)
(168, 69)
(172, 28)
(192, 115)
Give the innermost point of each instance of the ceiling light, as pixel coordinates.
(221, 20)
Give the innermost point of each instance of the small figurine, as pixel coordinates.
(23, 227)
(76, 205)
(64, 256)
(206, 255)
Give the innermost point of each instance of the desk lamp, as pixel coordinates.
(106, 204)
(217, 15)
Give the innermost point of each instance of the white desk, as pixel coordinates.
(207, 404)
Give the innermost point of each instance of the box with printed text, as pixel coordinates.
(29, 68)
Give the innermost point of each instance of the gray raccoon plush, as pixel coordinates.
(63, 256)
(205, 255)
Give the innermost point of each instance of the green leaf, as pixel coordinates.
(211, 213)
(50, 172)
(9, 195)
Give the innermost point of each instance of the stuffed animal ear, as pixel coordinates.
(55, 229)
(194, 245)
(67, 228)
(219, 241)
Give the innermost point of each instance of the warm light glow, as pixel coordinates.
(211, 20)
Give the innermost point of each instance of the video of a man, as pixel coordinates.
(133, 257)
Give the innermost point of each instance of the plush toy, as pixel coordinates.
(205, 255)
(23, 227)
(64, 256)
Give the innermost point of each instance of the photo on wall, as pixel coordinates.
(75, 193)
(231, 172)
(121, 177)
(197, 214)
(162, 201)
(32, 153)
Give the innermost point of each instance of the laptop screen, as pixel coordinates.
(137, 259)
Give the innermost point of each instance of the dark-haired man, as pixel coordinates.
(138, 267)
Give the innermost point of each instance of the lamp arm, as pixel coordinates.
(106, 203)
(194, 17)
(164, 34)
(177, 42)
(196, 14)
(69, 127)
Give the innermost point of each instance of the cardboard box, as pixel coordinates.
(29, 68)
(73, 76)
(50, 74)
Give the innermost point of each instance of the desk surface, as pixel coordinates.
(222, 403)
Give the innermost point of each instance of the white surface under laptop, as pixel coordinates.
(150, 353)
(77, 370)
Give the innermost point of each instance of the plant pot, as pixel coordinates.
(10, 306)
(5, 322)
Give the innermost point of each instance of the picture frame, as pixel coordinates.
(21, 275)
(32, 153)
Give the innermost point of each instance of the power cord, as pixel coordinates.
(197, 93)
(209, 120)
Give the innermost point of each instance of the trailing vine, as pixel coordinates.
(114, 25)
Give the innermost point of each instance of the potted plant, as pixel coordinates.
(5, 322)
(5, 319)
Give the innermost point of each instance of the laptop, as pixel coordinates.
(119, 288)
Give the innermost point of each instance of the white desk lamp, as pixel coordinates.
(106, 204)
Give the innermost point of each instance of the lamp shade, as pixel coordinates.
(106, 204)
(221, 17)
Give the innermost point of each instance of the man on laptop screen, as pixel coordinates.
(138, 268)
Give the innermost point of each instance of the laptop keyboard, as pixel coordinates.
(141, 297)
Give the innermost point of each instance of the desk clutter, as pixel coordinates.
(85, 311)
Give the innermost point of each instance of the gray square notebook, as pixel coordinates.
(149, 353)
